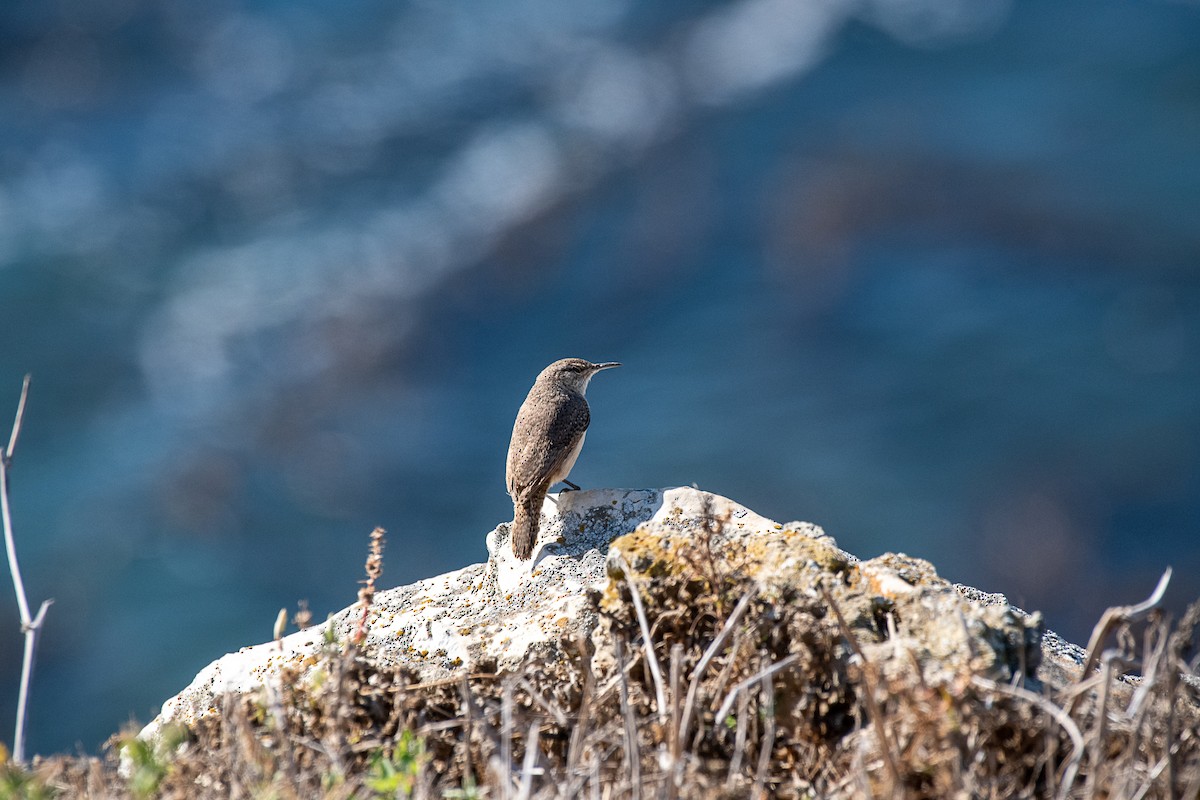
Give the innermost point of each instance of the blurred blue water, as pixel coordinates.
(922, 273)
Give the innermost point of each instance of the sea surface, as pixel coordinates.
(923, 272)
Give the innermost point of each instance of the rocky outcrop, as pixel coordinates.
(674, 643)
(681, 551)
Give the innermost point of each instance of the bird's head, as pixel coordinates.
(573, 373)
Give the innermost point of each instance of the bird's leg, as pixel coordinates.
(574, 488)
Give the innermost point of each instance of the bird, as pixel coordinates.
(546, 441)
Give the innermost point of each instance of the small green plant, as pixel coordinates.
(150, 760)
(468, 791)
(332, 779)
(396, 776)
(18, 784)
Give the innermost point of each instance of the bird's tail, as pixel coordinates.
(527, 512)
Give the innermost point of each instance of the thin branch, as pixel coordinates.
(506, 726)
(453, 679)
(1152, 776)
(16, 429)
(733, 693)
(1110, 619)
(551, 708)
(767, 747)
(10, 546)
(889, 757)
(30, 626)
(708, 656)
(531, 751)
(1059, 715)
(578, 732)
(633, 750)
(6, 511)
(39, 617)
(739, 741)
(676, 740)
(27, 661)
(647, 642)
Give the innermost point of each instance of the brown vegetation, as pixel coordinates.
(701, 685)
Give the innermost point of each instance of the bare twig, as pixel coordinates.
(552, 708)
(475, 676)
(531, 750)
(10, 546)
(885, 744)
(506, 726)
(739, 741)
(279, 718)
(1059, 715)
(1111, 618)
(1156, 652)
(647, 642)
(30, 626)
(469, 706)
(767, 747)
(753, 679)
(632, 746)
(27, 660)
(1152, 776)
(16, 429)
(675, 737)
(575, 748)
(713, 649)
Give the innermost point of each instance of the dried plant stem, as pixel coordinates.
(631, 742)
(739, 742)
(768, 740)
(366, 594)
(579, 730)
(1113, 617)
(506, 726)
(30, 626)
(531, 751)
(468, 707)
(783, 663)
(1057, 714)
(16, 428)
(10, 546)
(869, 684)
(674, 737)
(647, 641)
(713, 649)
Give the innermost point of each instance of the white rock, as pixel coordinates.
(494, 615)
(491, 613)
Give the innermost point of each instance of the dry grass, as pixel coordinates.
(731, 694)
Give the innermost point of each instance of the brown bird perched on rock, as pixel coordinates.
(546, 440)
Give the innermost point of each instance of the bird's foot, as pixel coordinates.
(571, 487)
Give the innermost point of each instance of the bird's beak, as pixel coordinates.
(605, 365)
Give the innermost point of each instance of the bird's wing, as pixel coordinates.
(546, 442)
